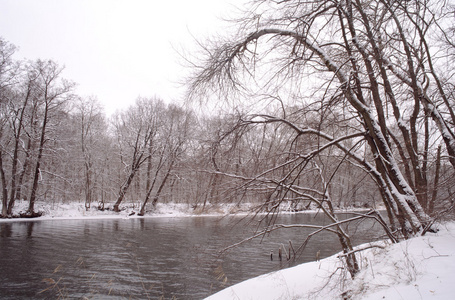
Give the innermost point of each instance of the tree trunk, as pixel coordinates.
(31, 207)
(17, 139)
(160, 189)
(351, 260)
(25, 170)
(436, 181)
(124, 189)
(88, 185)
(158, 192)
(4, 188)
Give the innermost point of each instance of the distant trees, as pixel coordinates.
(150, 135)
(51, 94)
(58, 147)
(92, 128)
(39, 134)
(135, 130)
(32, 98)
(367, 74)
(350, 104)
(166, 152)
(8, 70)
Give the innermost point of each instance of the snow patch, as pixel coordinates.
(419, 268)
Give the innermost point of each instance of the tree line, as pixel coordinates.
(334, 103)
(58, 147)
(367, 140)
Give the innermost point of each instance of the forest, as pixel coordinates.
(331, 104)
(57, 146)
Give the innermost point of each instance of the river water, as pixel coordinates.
(148, 258)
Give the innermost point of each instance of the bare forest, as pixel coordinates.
(332, 104)
(360, 97)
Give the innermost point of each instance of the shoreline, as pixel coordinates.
(418, 268)
(77, 211)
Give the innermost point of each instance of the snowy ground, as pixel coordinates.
(420, 268)
(76, 210)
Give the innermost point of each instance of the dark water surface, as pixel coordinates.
(147, 258)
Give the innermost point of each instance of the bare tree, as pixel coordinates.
(20, 107)
(371, 63)
(91, 121)
(3, 180)
(9, 73)
(29, 91)
(51, 93)
(173, 136)
(135, 132)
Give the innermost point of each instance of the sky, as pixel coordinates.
(115, 50)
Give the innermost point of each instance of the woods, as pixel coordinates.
(354, 83)
(349, 92)
(59, 147)
(331, 104)
(314, 139)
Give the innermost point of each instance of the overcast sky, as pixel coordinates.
(115, 50)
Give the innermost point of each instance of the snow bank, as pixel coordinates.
(76, 210)
(420, 268)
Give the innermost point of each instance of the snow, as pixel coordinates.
(76, 210)
(419, 268)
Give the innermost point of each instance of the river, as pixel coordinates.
(142, 258)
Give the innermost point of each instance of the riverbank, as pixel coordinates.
(419, 268)
(76, 210)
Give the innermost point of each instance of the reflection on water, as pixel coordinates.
(5, 229)
(30, 228)
(146, 257)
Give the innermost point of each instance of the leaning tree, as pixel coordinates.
(381, 72)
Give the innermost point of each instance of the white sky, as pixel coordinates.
(115, 50)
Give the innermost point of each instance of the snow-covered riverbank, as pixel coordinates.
(77, 210)
(419, 268)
